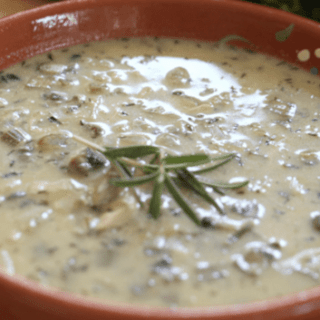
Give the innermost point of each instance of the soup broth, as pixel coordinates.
(64, 225)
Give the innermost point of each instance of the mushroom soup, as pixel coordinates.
(64, 225)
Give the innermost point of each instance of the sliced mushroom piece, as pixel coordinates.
(257, 257)
(55, 120)
(223, 222)
(14, 136)
(95, 130)
(79, 166)
(315, 219)
(121, 211)
(177, 78)
(312, 130)
(96, 88)
(53, 142)
(11, 174)
(3, 102)
(96, 159)
(55, 96)
(79, 99)
(308, 156)
(244, 207)
(40, 82)
(53, 68)
(87, 162)
(245, 228)
(16, 195)
(284, 109)
(277, 243)
(9, 77)
(167, 271)
(164, 262)
(252, 269)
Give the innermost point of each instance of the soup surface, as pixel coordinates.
(63, 225)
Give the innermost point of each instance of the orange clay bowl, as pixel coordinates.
(62, 24)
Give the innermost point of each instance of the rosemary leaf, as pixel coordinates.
(236, 185)
(123, 168)
(135, 181)
(215, 166)
(215, 189)
(224, 156)
(131, 152)
(176, 162)
(193, 183)
(177, 196)
(201, 179)
(155, 203)
(155, 158)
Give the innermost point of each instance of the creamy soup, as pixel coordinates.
(63, 225)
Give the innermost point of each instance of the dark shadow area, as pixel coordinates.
(305, 8)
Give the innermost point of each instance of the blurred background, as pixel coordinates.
(307, 8)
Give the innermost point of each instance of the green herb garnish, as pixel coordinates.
(170, 172)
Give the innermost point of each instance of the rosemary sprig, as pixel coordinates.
(168, 172)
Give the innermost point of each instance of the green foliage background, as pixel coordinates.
(306, 8)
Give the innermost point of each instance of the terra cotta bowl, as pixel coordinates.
(270, 31)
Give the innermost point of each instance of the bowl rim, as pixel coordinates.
(285, 307)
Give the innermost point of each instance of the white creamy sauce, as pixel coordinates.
(62, 224)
